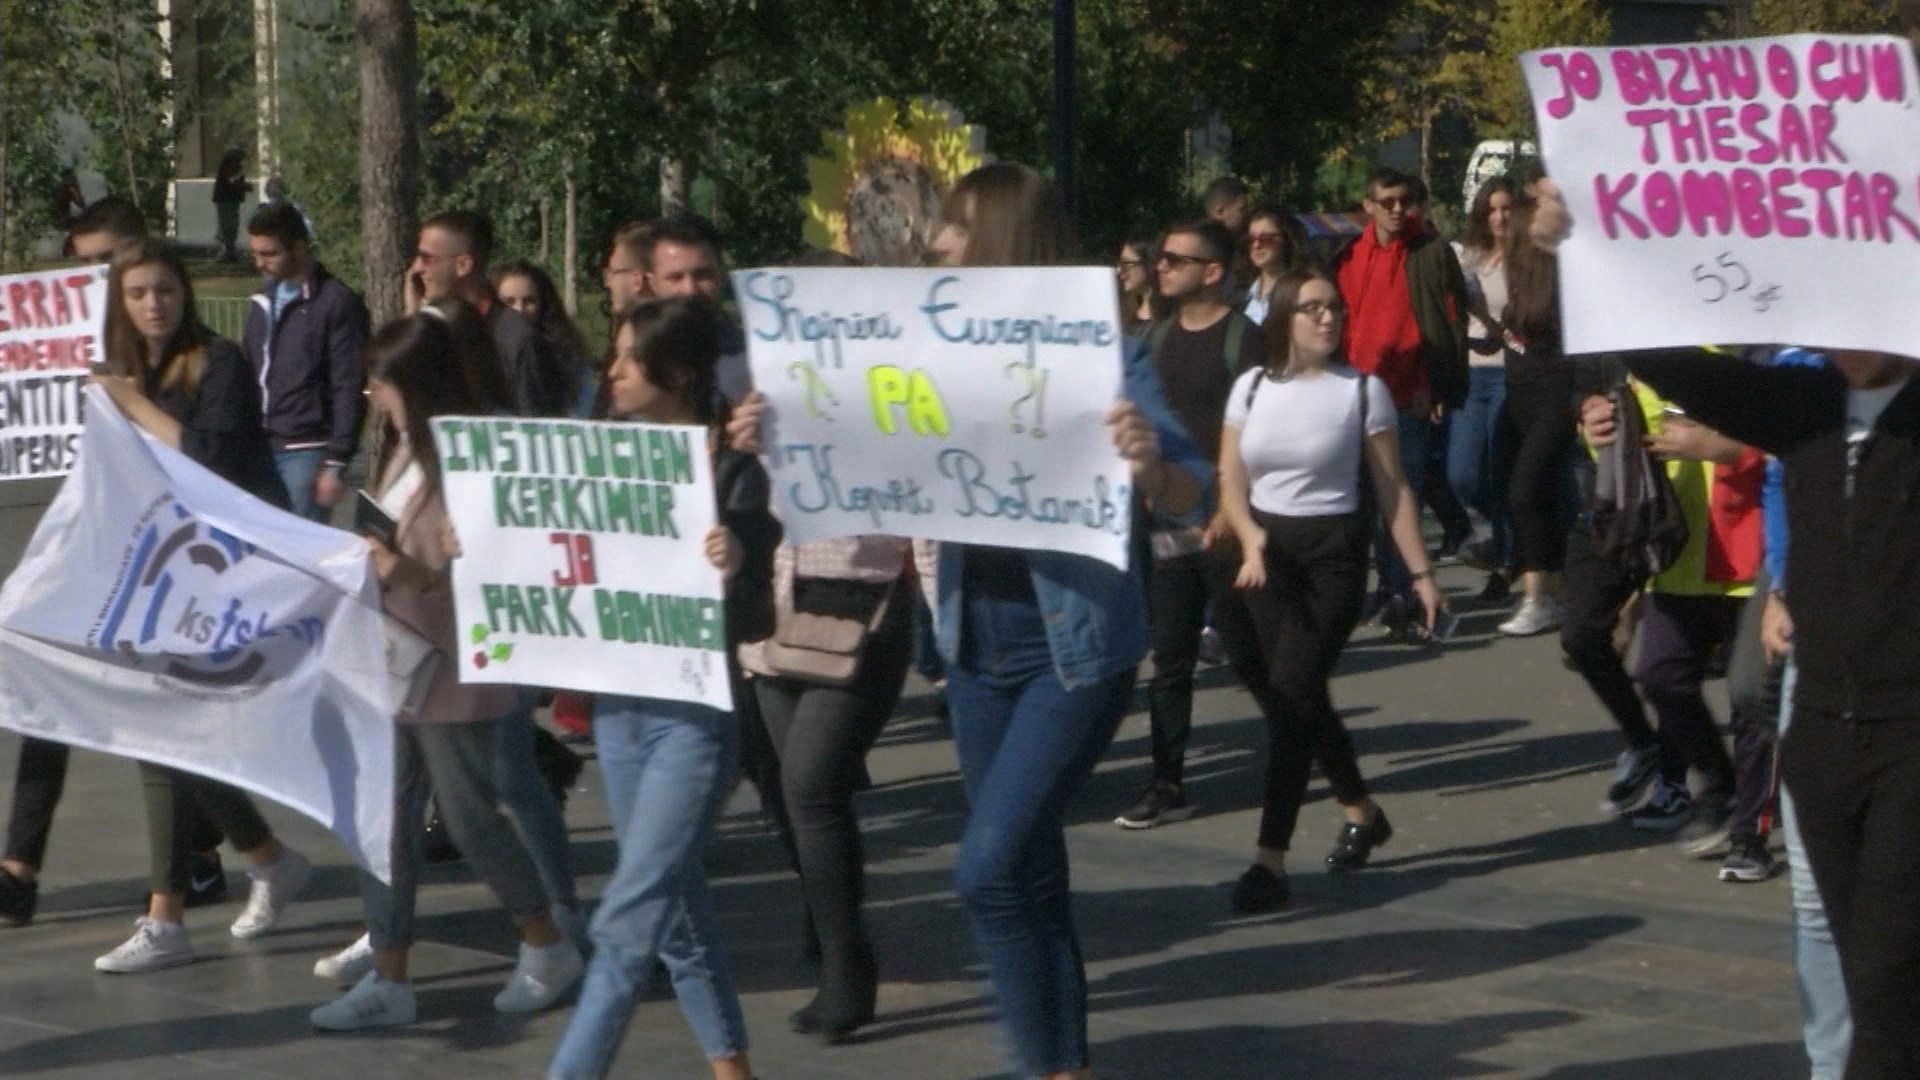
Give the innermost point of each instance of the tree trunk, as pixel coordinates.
(116, 26)
(1426, 149)
(385, 41)
(571, 242)
(546, 231)
(673, 185)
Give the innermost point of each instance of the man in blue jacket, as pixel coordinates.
(305, 333)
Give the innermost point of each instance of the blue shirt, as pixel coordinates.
(1773, 493)
(1095, 615)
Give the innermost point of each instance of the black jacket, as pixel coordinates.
(540, 381)
(221, 422)
(1854, 577)
(743, 490)
(309, 366)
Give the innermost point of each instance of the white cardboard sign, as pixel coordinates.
(52, 331)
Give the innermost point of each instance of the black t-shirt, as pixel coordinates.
(1196, 374)
(222, 426)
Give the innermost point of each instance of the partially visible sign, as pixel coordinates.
(1740, 192)
(965, 405)
(52, 332)
(582, 556)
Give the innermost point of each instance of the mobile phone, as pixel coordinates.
(1443, 628)
(1673, 410)
(370, 519)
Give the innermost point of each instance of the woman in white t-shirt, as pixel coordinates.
(1292, 491)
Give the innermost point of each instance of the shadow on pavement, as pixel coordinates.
(1376, 1050)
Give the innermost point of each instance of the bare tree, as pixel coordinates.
(388, 50)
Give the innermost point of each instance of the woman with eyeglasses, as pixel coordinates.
(1276, 245)
(1140, 304)
(1299, 432)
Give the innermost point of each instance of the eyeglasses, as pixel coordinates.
(1179, 261)
(1132, 264)
(1313, 309)
(1395, 203)
(1263, 239)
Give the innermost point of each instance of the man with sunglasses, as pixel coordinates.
(1197, 351)
(1407, 301)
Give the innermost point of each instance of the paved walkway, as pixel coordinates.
(1508, 930)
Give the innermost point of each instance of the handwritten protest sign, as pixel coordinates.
(52, 325)
(582, 563)
(1737, 192)
(962, 404)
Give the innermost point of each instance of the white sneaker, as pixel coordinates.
(348, 966)
(541, 977)
(1537, 615)
(154, 946)
(275, 885)
(373, 1002)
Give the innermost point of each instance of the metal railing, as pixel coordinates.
(224, 315)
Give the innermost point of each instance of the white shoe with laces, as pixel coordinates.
(373, 1002)
(1537, 615)
(275, 885)
(154, 946)
(348, 966)
(542, 977)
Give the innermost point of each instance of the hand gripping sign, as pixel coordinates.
(1738, 192)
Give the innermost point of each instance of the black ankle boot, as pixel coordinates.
(849, 989)
(1357, 842)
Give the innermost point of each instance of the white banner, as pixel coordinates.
(582, 556)
(956, 404)
(52, 326)
(1739, 192)
(161, 613)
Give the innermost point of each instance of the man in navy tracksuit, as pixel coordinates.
(305, 333)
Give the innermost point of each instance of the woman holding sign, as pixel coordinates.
(1301, 435)
(415, 372)
(669, 765)
(195, 392)
(1041, 650)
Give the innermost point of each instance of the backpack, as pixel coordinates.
(1638, 522)
(1237, 323)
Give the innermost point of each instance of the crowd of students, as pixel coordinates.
(1287, 414)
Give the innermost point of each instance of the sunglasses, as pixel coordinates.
(1179, 261)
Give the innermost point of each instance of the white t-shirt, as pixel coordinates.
(1865, 406)
(1300, 439)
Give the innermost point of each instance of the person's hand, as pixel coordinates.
(449, 538)
(386, 561)
(413, 293)
(1134, 437)
(1682, 439)
(1217, 532)
(328, 486)
(1253, 563)
(1776, 628)
(723, 551)
(743, 427)
(1438, 413)
(1431, 600)
(1552, 222)
(1599, 420)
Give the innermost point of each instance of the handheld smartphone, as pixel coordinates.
(370, 520)
(1446, 626)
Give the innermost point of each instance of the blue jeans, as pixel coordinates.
(297, 470)
(1479, 453)
(535, 811)
(1826, 1023)
(1414, 431)
(668, 767)
(1025, 743)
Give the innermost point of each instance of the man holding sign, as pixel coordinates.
(1825, 232)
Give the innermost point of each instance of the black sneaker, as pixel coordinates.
(17, 899)
(1498, 591)
(1260, 891)
(1161, 804)
(1750, 860)
(1705, 837)
(1213, 651)
(1669, 809)
(1451, 549)
(1633, 777)
(206, 880)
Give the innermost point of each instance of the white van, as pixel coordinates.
(1494, 157)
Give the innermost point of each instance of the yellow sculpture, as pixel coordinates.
(876, 194)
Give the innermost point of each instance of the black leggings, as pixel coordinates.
(40, 777)
(1540, 407)
(174, 800)
(821, 735)
(1316, 581)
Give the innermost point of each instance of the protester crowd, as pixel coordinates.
(1289, 415)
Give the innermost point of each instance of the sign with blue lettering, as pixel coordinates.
(582, 563)
(963, 404)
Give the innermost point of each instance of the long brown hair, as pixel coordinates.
(677, 340)
(1013, 217)
(421, 357)
(1282, 306)
(1533, 286)
(184, 359)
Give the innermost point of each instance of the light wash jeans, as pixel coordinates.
(668, 767)
(524, 792)
(297, 469)
(1826, 1023)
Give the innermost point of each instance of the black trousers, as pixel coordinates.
(820, 736)
(1753, 699)
(1593, 592)
(173, 798)
(1316, 582)
(1180, 591)
(1543, 424)
(1678, 636)
(1856, 794)
(39, 779)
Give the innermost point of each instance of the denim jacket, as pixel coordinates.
(1096, 616)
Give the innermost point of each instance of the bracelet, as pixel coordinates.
(1422, 575)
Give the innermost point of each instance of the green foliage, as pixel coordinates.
(29, 99)
(1523, 26)
(1768, 17)
(319, 135)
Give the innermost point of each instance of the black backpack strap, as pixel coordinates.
(1236, 333)
(1157, 336)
